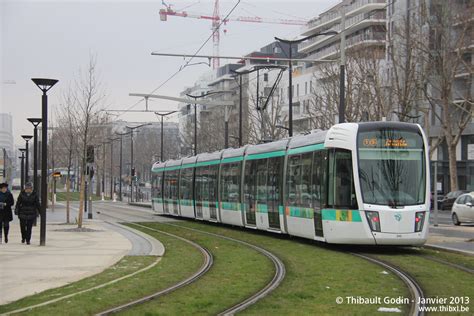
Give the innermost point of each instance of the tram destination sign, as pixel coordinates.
(390, 139)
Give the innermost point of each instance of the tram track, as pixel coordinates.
(414, 287)
(206, 266)
(280, 270)
(416, 292)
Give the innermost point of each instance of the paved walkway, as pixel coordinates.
(68, 256)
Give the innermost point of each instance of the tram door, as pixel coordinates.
(175, 192)
(198, 193)
(212, 180)
(166, 193)
(319, 175)
(274, 184)
(249, 191)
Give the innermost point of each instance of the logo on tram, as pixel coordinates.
(398, 217)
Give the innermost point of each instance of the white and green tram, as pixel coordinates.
(357, 183)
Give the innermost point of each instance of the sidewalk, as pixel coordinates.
(453, 238)
(67, 257)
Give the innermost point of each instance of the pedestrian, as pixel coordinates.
(6, 216)
(27, 208)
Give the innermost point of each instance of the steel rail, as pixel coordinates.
(206, 266)
(415, 289)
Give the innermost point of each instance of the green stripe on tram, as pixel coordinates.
(266, 155)
(305, 149)
(232, 159)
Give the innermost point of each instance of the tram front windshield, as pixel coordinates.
(392, 167)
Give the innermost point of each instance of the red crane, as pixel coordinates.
(216, 21)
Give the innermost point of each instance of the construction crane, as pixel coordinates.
(217, 20)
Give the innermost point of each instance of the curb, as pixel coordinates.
(449, 249)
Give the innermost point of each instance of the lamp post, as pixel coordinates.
(290, 73)
(22, 179)
(120, 168)
(162, 116)
(44, 85)
(132, 173)
(35, 122)
(195, 97)
(27, 163)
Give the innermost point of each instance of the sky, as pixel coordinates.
(54, 39)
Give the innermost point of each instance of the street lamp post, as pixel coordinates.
(27, 163)
(22, 174)
(162, 117)
(290, 73)
(121, 159)
(35, 122)
(44, 85)
(195, 97)
(132, 173)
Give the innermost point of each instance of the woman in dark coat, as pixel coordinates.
(6, 216)
(27, 208)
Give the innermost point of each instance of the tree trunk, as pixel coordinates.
(81, 202)
(68, 183)
(453, 172)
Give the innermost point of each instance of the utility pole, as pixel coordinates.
(162, 117)
(342, 74)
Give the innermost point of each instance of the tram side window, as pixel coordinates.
(249, 181)
(202, 183)
(274, 180)
(319, 179)
(341, 180)
(299, 180)
(174, 184)
(261, 182)
(167, 185)
(230, 182)
(186, 184)
(159, 186)
(212, 182)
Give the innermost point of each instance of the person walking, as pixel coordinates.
(6, 216)
(27, 208)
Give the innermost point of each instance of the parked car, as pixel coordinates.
(463, 209)
(448, 200)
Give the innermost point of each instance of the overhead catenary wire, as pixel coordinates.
(182, 67)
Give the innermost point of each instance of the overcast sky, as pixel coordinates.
(54, 39)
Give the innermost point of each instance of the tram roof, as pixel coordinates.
(209, 156)
(172, 163)
(234, 152)
(315, 137)
(158, 164)
(278, 145)
(189, 160)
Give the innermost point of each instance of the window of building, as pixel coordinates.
(306, 88)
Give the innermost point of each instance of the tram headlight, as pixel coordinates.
(374, 220)
(419, 220)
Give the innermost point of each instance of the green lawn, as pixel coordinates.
(179, 262)
(237, 273)
(316, 276)
(437, 279)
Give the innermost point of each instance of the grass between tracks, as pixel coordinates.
(315, 277)
(180, 261)
(238, 272)
(438, 279)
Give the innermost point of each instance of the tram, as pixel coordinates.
(356, 183)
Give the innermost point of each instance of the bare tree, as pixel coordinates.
(448, 69)
(90, 97)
